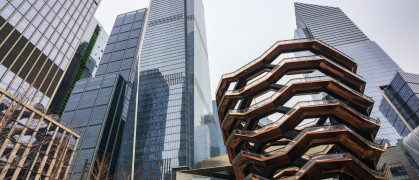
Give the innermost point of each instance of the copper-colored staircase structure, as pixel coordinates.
(337, 140)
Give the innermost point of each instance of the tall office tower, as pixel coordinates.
(206, 142)
(37, 41)
(332, 26)
(322, 138)
(411, 148)
(95, 110)
(83, 65)
(173, 90)
(220, 140)
(121, 52)
(98, 107)
(400, 105)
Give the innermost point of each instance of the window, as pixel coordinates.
(98, 115)
(88, 99)
(123, 36)
(104, 96)
(94, 83)
(397, 172)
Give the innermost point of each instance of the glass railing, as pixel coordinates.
(376, 121)
(346, 70)
(303, 133)
(283, 61)
(293, 109)
(273, 47)
(276, 94)
(297, 80)
(340, 52)
(266, 53)
(263, 55)
(339, 156)
(293, 59)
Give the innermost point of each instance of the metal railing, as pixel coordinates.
(263, 55)
(276, 94)
(339, 156)
(302, 134)
(293, 109)
(297, 80)
(283, 61)
(273, 47)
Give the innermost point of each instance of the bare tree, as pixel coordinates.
(14, 118)
(13, 111)
(127, 175)
(101, 168)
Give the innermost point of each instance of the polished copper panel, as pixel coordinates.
(289, 147)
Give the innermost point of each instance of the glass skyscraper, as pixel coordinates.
(95, 110)
(98, 107)
(332, 26)
(38, 40)
(223, 150)
(400, 103)
(83, 65)
(172, 92)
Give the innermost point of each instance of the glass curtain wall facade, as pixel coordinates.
(332, 26)
(83, 65)
(221, 145)
(95, 110)
(121, 52)
(120, 60)
(173, 91)
(38, 40)
(206, 141)
(401, 102)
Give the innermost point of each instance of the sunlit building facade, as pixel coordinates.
(37, 42)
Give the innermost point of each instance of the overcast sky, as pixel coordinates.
(238, 31)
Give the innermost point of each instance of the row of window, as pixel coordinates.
(48, 12)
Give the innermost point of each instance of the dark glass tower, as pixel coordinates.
(332, 26)
(95, 110)
(173, 94)
(98, 107)
(401, 102)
